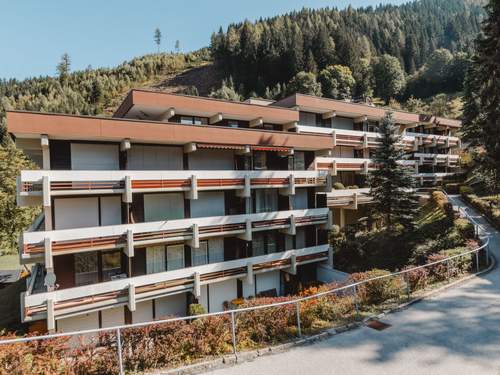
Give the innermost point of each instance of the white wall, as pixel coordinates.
(143, 312)
(171, 306)
(76, 212)
(342, 123)
(203, 300)
(78, 323)
(268, 280)
(113, 317)
(211, 160)
(209, 203)
(220, 292)
(167, 206)
(154, 158)
(94, 156)
(111, 210)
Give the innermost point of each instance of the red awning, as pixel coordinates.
(219, 146)
(270, 148)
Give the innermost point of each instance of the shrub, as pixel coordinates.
(452, 187)
(460, 265)
(417, 278)
(465, 228)
(439, 198)
(465, 190)
(338, 186)
(196, 309)
(353, 187)
(376, 291)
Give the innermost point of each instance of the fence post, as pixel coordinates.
(407, 281)
(487, 252)
(477, 261)
(356, 301)
(448, 270)
(119, 344)
(233, 331)
(297, 309)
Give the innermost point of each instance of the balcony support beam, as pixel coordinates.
(290, 190)
(125, 145)
(290, 125)
(249, 278)
(334, 138)
(365, 167)
(193, 192)
(292, 229)
(167, 115)
(190, 147)
(247, 236)
(246, 191)
(334, 168)
(197, 285)
(131, 297)
(127, 194)
(256, 122)
(215, 118)
(129, 249)
(47, 202)
(44, 143)
(49, 262)
(194, 242)
(342, 218)
(328, 115)
(359, 119)
(292, 270)
(51, 320)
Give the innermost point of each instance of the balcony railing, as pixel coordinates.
(358, 138)
(348, 198)
(84, 299)
(31, 183)
(437, 159)
(127, 236)
(337, 164)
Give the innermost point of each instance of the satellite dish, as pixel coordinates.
(50, 279)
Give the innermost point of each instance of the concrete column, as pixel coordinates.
(44, 142)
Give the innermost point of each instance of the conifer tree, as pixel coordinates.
(482, 93)
(157, 38)
(391, 184)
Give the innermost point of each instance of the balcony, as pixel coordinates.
(32, 188)
(335, 164)
(348, 198)
(85, 299)
(43, 245)
(437, 159)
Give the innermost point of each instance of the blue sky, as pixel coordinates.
(35, 33)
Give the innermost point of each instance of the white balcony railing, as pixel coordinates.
(338, 164)
(348, 198)
(358, 138)
(84, 299)
(45, 244)
(34, 185)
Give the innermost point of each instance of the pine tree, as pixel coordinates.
(391, 184)
(177, 46)
(482, 109)
(63, 67)
(157, 38)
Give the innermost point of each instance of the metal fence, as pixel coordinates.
(350, 289)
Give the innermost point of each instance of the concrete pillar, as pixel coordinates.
(44, 143)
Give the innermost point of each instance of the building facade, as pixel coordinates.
(179, 199)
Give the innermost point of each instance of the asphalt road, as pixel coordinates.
(454, 332)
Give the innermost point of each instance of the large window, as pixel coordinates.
(266, 200)
(259, 160)
(199, 256)
(299, 163)
(175, 257)
(264, 243)
(86, 268)
(155, 259)
(193, 120)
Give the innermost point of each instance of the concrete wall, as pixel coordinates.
(78, 323)
(113, 317)
(220, 292)
(143, 312)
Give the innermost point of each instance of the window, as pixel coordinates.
(155, 259)
(111, 264)
(232, 123)
(86, 269)
(259, 160)
(186, 120)
(175, 257)
(266, 200)
(299, 163)
(199, 256)
(258, 245)
(191, 120)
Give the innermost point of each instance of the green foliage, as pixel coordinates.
(391, 185)
(304, 83)
(338, 186)
(337, 82)
(482, 94)
(196, 309)
(273, 50)
(464, 190)
(226, 91)
(465, 228)
(376, 291)
(389, 77)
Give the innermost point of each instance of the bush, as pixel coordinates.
(465, 228)
(353, 187)
(437, 272)
(376, 291)
(465, 190)
(417, 278)
(460, 265)
(452, 188)
(338, 186)
(439, 198)
(196, 309)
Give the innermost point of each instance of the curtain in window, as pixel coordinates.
(155, 259)
(175, 257)
(199, 256)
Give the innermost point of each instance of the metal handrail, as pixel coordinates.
(296, 301)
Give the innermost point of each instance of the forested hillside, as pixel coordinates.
(263, 56)
(412, 56)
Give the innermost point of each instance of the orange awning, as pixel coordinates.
(219, 146)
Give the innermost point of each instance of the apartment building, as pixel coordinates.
(180, 199)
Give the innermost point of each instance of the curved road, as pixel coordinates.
(454, 332)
